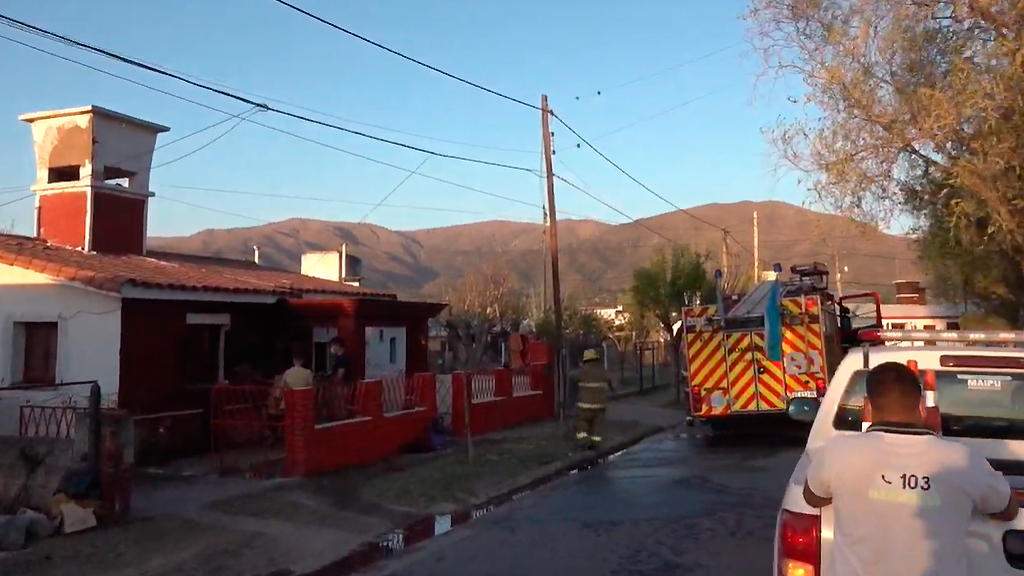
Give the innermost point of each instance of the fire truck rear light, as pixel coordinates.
(965, 361)
(795, 568)
(820, 386)
(799, 550)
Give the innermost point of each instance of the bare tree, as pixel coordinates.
(483, 302)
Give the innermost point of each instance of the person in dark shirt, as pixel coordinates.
(339, 370)
(338, 395)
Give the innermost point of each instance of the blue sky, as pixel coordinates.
(708, 150)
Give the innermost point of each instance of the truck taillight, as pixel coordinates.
(799, 550)
(695, 397)
(820, 386)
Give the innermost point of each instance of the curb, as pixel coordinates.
(394, 542)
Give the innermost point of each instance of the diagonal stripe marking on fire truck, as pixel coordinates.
(708, 350)
(741, 371)
(770, 382)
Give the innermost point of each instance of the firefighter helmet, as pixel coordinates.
(591, 355)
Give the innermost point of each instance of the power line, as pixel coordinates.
(613, 208)
(275, 129)
(630, 176)
(343, 118)
(19, 25)
(500, 95)
(393, 190)
(409, 58)
(663, 112)
(211, 142)
(319, 199)
(16, 200)
(662, 71)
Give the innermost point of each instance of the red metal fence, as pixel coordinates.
(246, 426)
(47, 421)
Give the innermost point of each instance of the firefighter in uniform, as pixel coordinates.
(593, 383)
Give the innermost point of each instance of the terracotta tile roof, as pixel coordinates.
(165, 270)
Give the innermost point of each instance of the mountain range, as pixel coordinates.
(596, 259)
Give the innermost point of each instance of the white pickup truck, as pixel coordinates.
(979, 382)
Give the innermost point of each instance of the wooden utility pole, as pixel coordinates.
(725, 253)
(757, 259)
(556, 285)
(544, 267)
(839, 274)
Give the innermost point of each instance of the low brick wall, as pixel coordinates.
(502, 399)
(378, 421)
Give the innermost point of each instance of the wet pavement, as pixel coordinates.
(670, 505)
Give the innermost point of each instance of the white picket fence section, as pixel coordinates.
(483, 387)
(521, 385)
(394, 392)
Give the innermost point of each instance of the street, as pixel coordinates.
(668, 506)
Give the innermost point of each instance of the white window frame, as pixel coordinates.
(222, 320)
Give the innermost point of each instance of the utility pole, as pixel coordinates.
(839, 274)
(725, 253)
(757, 260)
(556, 285)
(544, 265)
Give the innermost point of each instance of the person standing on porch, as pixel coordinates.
(298, 376)
(340, 391)
(338, 370)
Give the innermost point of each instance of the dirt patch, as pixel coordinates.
(452, 482)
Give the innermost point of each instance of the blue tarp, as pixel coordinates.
(773, 323)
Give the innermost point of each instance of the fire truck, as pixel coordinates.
(781, 340)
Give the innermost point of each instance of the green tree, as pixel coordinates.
(664, 287)
(581, 328)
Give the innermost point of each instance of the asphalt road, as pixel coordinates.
(669, 506)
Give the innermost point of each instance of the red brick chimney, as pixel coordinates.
(92, 178)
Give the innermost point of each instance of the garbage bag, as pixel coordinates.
(13, 532)
(39, 525)
(79, 483)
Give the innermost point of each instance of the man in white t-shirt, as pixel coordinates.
(903, 496)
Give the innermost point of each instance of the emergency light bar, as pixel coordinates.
(979, 336)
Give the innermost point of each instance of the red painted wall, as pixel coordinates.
(353, 316)
(62, 218)
(152, 361)
(312, 449)
(506, 411)
(118, 223)
(153, 349)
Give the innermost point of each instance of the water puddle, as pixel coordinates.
(392, 543)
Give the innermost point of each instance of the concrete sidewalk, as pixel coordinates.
(206, 526)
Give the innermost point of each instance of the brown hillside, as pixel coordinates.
(597, 259)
